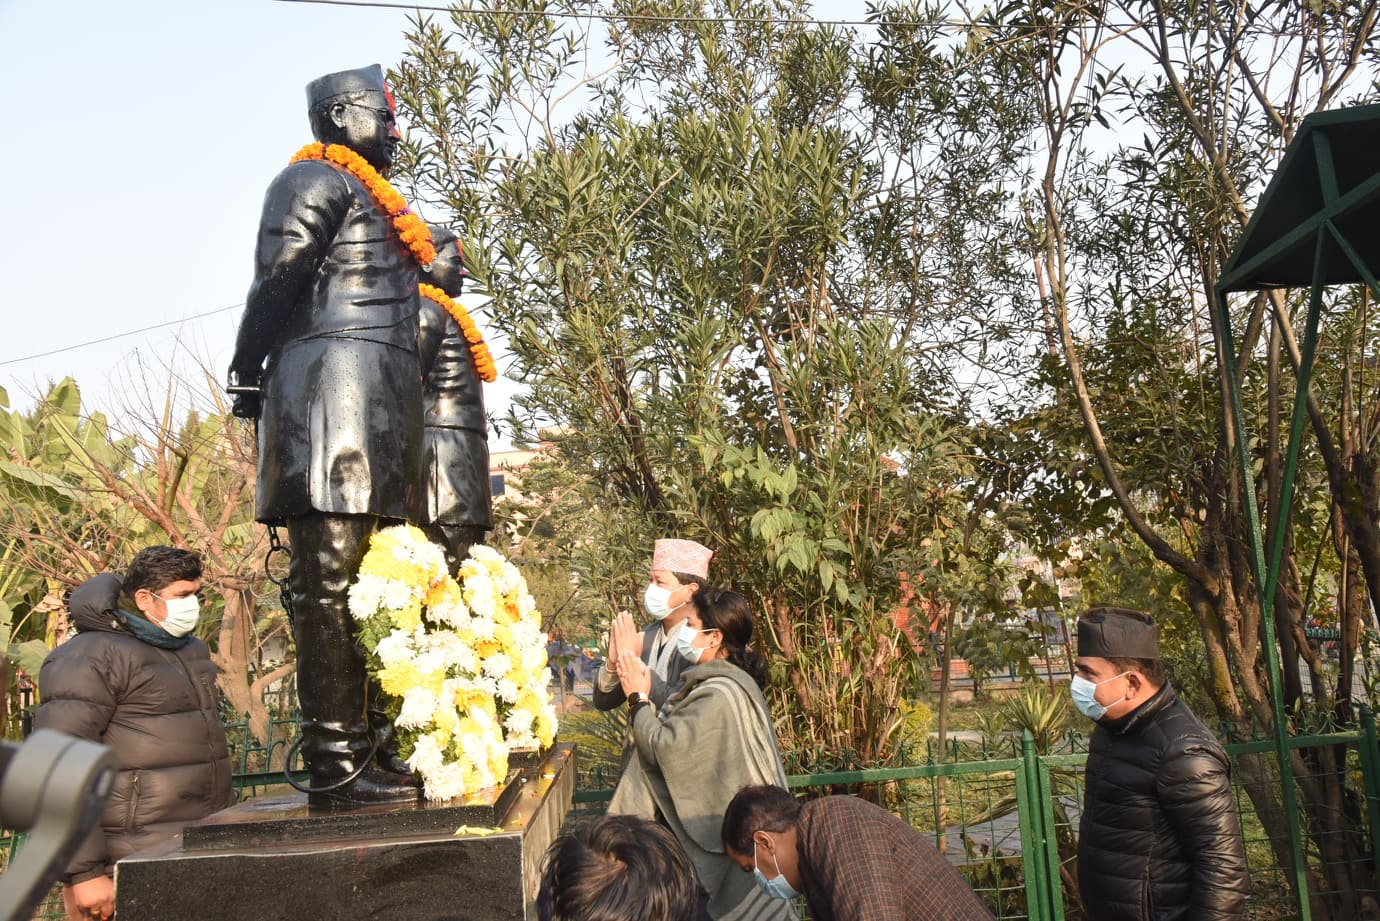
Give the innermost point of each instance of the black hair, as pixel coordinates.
(729, 613)
(754, 809)
(687, 578)
(617, 868)
(155, 568)
(1153, 669)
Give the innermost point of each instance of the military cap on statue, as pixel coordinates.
(684, 556)
(1117, 633)
(347, 83)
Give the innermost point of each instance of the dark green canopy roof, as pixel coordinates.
(1327, 190)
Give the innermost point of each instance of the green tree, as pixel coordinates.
(1159, 121)
(738, 263)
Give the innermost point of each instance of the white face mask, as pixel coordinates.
(183, 614)
(656, 601)
(1084, 694)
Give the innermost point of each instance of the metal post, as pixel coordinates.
(1370, 775)
(1037, 888)
(1267, 571)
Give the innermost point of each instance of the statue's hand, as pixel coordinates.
(246, 405)
(246, 397)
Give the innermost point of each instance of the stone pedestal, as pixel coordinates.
(271, 859)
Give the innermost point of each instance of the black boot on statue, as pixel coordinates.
(386, 756)
(331, 676)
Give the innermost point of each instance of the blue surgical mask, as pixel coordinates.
(1084, 694)
(775, 887)
(685, 638)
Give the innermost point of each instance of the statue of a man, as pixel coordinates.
(457, 509)
(329, 339)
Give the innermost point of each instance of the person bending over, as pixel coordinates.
(852, 861)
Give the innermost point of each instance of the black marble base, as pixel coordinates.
(268, 820)
(379, 862)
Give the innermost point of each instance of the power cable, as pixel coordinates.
(633, 17)
(114, 336)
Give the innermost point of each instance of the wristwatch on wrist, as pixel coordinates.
(637, 699)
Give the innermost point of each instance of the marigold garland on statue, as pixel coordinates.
(465, 661)
(411, 229)
(483, 360)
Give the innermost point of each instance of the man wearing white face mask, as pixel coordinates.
(1159, 835)
(136, 679)
(680, 568)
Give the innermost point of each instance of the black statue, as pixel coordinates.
(457, 510)
(327, 361)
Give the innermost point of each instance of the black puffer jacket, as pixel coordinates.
(1159, 837)
(155, 708)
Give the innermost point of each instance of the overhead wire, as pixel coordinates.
(112, 337)
(633, 17)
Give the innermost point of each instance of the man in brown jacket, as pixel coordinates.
(852, 861)
(142, 684)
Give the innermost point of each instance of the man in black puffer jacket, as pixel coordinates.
(143, 685)
(1159, 838)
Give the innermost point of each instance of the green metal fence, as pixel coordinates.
(1007, 816)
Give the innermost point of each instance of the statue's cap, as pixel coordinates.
(346, 83)
(441, 234)
(1117, 633)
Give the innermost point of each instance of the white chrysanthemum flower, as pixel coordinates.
(464, 659)
(533, 658)
(527, 633)
(527, 605)
(395, 648)
(366, 596)
(472, 747)
(449, 647)
(523, 740)
(446, 782)
(483, 553)
(508, 690)
(451, 613)
(429, 661)
(497, 665)
(427, 757)
(397, 594)
(509, 579)
(484, 628)
(519, 721)
(418, 708)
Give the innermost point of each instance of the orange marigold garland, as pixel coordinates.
(410, 228)
(483, 361)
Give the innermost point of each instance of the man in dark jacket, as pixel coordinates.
(1159, 836)
(852, 861)
(326, 360)
(135, 679)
